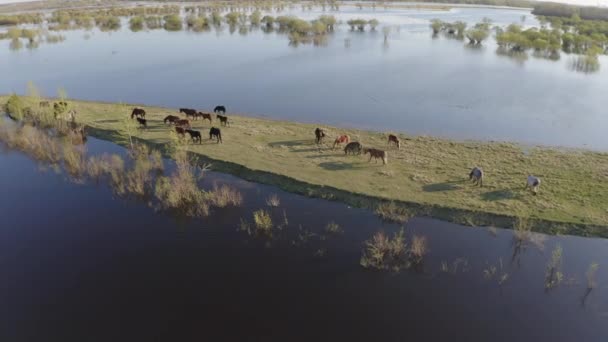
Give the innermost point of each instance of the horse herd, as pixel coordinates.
(354, 147)
(183, 127)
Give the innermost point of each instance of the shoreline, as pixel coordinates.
(427, 176)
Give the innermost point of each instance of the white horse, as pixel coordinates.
(476, 175)
(533, 183)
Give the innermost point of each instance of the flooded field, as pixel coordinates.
(409, 83)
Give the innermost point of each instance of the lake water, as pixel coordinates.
(79, 264)
(415, 84)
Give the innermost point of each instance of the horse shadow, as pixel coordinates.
(445, 186)
(338, 165)
(498, 195)
(291, 143)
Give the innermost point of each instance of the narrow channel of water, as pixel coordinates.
(78, 263)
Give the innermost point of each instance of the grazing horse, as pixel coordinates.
(44, 104)
(138, 112)
(184, 123)
(195, 136)
(376, 154)
(340, 140)
(142, 122)
(476, 175)
(353, 147)
(180, 131)
(205, 116)
(319, 135)
(217, 133)
(533, 183)
(219, 109)
(395, 140)
(171, 118)
(223, 119)
(189, 112)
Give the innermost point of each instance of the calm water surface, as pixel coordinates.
(415, 84)
(79, 264)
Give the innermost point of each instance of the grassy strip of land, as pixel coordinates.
(428, 176)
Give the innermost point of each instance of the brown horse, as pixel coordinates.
(183, 123)
(205, 116)
(376, 154)
(171, 118)
(138, 112)
(223, 119)
(395, 140)
(180, 131)
(319, 135)
(341, 140)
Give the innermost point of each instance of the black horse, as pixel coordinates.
(189, 112)
(219, 109)
(142, 122)
(171, 118)
(223, 119)
(138, 112)
(195, 136)
(320, 135)
(215, 132)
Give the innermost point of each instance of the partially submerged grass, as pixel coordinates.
(391, 212)
(385, 253)
(553, 274)
(263, 221)
(273, 201)
(429, 174)
(333, 228)
(591, 276)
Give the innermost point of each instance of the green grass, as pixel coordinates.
(427, 175)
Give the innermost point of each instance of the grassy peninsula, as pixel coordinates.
(427, 176)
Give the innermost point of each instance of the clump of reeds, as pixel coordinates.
(263, 221)
(384, 253)
(591, 276)
(418, 248)
(180, 192)
(553, 274)
(273, 201)
(333, 228)
(225, 195)
(391, 212)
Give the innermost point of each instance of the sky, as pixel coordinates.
(577, 2)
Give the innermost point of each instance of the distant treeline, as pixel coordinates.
(509, 3)
(561, 10)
